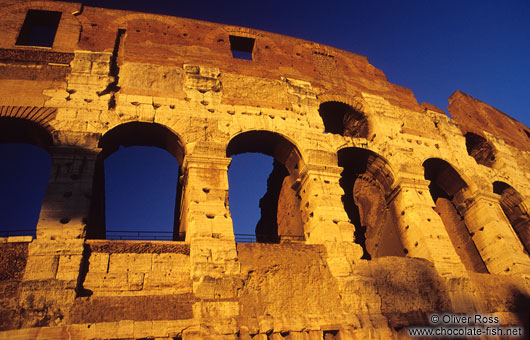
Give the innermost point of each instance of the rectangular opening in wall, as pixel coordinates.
(241, 47)
(39, 28)
(331, 335)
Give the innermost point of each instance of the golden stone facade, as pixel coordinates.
(398, 211)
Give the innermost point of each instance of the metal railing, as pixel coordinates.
(139, 235)
(245, 238)
(264, 238)
(18, 232)
(168, 236)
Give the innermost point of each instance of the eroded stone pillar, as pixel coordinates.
(325, 220)
(492, 233)
(204, 212)
(423, 235)
(205, 218)
(66, 205)
(323, 212)
(421, 229)
(50, 282)
(520, 222)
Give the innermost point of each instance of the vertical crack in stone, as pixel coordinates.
(114, 71)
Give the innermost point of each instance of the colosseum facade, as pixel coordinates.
(382, 211)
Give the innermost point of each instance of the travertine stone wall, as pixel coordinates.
(393, 213)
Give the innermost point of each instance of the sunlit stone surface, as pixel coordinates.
(379, 210)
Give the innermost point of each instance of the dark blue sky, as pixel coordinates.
(432, 47)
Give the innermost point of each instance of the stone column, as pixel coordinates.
(205, 218)
(421, 229)
(55, 257)
(204, 212)
(522, 224)
(423, 235)
(323, 212)
(492, 233)
(66, 205)
(325, 219)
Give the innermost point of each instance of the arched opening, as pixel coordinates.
(480, 149)
(136, 189)
(342, 119)
(513, 206)
(280, 218)
(366, 181)
(445, 184)
(25, 170)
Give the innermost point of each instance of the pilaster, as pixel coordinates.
(66, 205)
(492, 233)
(205, 218)
(423, 235)
(322, 209)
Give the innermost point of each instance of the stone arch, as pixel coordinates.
(367, 180)
(132, 134)
(273, 144)
(444, 177)
(480, 149)
(275, 224)
(516, 210)
(344, 116)
(447, 189)
(39, 117)
(120, 21)
(142, 133)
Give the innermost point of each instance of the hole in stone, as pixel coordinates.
(64, 220)
(330, 335)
